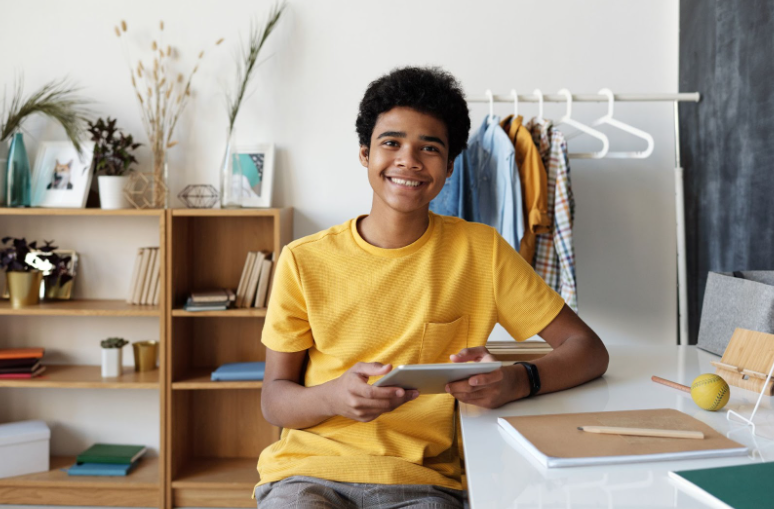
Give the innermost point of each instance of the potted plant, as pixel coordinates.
(58, 272)
(22, 275)
(113, 159)
(111, 356)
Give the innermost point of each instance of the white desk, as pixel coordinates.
(501, 475)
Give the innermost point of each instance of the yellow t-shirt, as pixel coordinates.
(347, 301)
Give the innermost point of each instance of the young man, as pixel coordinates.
(399, 286)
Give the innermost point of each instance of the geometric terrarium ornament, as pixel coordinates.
(199, 196)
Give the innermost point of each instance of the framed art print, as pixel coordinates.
(253, 174)
(62, 176)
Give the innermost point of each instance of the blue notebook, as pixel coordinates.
(238, 371)
(101, 469)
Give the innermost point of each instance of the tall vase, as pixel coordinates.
(230, 177)
(18, 174)
(3, 172)
(160, 198)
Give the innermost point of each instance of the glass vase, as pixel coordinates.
(230, 177)
(160, 187)
(18, 174)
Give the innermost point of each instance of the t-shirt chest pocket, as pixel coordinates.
(440, 340)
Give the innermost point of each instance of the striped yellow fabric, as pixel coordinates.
(346, 301)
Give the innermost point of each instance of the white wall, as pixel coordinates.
(323, 57)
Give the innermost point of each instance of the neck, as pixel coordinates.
(389, 229)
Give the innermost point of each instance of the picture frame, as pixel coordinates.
(61, 177)
(252, 178)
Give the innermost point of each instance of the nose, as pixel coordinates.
(408, 158)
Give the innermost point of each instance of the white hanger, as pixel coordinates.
(566, 119)
(539, 94)
(608, 119)
(490, 96)
(515, 103)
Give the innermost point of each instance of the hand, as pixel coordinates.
(488, 390)
(351, 396)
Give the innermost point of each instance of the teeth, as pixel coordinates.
(410, 183)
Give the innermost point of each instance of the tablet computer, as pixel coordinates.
(432, 378)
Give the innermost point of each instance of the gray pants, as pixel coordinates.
(301, 492)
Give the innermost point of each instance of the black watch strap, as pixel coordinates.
(533, 376)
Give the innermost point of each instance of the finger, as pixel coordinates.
(371, 368)
(462, 386)
(486, 378)
(372, 392)
(470, 354)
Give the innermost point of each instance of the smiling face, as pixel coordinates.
(408, 160)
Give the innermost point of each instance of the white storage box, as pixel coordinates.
(24, 448)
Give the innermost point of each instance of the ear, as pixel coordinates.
(70, 164)
(363, 154)
(57, 162)
(449, 168)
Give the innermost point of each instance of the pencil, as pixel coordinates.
(642, 432)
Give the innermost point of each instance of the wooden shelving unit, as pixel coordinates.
(145, 486)
(211, 433)
(215, 430)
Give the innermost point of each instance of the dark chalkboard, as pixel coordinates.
(727, 140)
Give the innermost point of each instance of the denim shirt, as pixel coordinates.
(485, 186)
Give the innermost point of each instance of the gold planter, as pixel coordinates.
(58, 290)
(24, 288)
(145, 355)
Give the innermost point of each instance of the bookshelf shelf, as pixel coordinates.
(38, 211)
(82, 307)
(86, 377)
(237, 313)
(141, 488)
(200, 379)
(216, 482)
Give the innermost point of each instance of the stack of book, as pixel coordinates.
(213, 300)
(107, 460)
(253, 290)
(21, 362)
(145, 286)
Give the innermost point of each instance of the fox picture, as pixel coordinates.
(61, 176)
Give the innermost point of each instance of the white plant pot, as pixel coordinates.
(111, 192)
(111, 362)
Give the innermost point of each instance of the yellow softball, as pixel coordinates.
(710, 392)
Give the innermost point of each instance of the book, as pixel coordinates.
(32, 374)
(235, 371)
(263, 284)
(255, 275)
(219, 295)
(21, 353)
(144, 259)
(157, 293)
(19, 363)
(133, 280)
(111, 453)
(154, 278)
(555, 441)
(101, 469)
(271, 279)
(146, 288)
(240, 297)
(735, 487)
(205, 306)
(21, 369)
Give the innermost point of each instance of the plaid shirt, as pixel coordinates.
(554, 255)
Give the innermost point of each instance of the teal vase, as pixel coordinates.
(18, 174)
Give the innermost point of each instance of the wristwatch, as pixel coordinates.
(533, 376)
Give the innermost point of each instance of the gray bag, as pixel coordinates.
(735, 300)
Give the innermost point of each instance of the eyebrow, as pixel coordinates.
(401, 134)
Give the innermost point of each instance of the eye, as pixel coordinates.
(390, 143)
(431, 148)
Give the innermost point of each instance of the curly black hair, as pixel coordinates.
(429, 90)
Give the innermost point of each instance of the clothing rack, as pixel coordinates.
(537, 97)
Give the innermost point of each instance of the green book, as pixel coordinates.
(737, 487)
(111, 453)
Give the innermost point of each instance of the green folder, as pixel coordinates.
(111, 453)
(737, 487)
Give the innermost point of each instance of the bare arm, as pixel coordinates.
(578, 356)
(286, 402)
